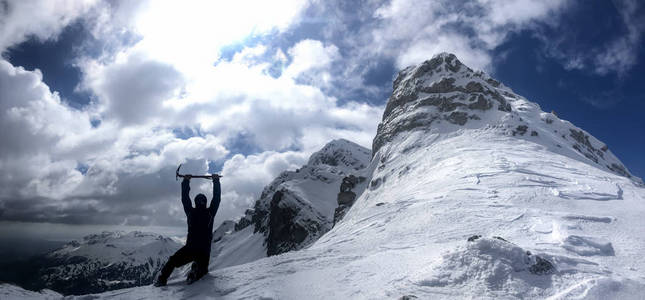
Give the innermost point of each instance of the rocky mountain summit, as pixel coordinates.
(442, 95)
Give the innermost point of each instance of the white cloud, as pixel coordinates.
(459, 45)
(44, 141)
(33, 122)
(311, 56)
(244, 173)
(165, 80)
(189, 34)
(502, 13)
(42, 19)
(622, 53)
(412, 31)
(250, 56)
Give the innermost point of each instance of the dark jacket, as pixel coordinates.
(200, 220)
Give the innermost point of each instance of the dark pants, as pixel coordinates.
(183, 256)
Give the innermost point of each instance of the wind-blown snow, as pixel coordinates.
(436, 184)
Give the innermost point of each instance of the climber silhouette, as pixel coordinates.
(200, 234)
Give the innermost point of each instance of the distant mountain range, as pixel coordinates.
(98, 262)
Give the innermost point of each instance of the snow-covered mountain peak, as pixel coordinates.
(296, 208)
(444, 94)
(341, 153)
(442, 97)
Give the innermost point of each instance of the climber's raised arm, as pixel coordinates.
(217, 195)
(185, 198)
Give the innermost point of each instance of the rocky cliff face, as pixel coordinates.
(442, 95)
(298, 207)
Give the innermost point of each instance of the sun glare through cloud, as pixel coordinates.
(189, 34)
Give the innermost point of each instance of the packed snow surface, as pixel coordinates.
(464, 201)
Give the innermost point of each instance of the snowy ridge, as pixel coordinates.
(449, 174)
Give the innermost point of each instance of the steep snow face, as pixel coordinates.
(295, 209)
(443, 95)
(439, 194)
(106, 261)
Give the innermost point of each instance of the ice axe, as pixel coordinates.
(177, 175)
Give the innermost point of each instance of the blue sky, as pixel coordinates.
(127, 90)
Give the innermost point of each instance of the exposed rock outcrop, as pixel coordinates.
(439, 89)
(245, 220)
(287, 230)
(346, 196)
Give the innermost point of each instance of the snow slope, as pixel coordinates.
(453, 168)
